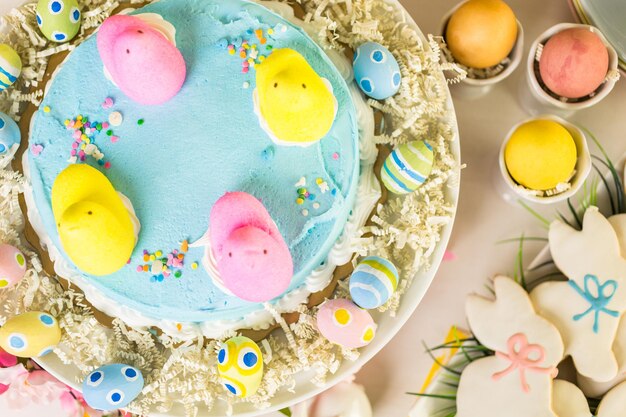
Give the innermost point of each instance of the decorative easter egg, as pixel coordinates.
(574, 63)
(12, 265)
(407, 167)
(540, 154)
(140, 60)
(345, 324)
(30, 335)
(240, 365)
(59, 20)
(95, 228)
(376, 71)
(9, 134)
(113, 386)
(10, 66)
(295, 106)
(481, 33)
(373, 281)
(253, 260)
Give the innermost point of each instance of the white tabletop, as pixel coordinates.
(483, 217)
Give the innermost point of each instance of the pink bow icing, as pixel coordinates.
(520, 352)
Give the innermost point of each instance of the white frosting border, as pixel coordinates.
(368, 194)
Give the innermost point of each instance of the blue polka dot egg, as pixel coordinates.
(9, 134)
(31, 334)
(59, 20)
(240, 365)
(376, 71)
(113, 386)
(373, 282)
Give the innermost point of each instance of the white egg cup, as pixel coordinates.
(536, 100)
(473, 88)
(511, 191)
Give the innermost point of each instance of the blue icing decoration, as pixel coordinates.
(250, 359)
(230, 388)
(130, 372)
(39, 21)
(116, 397)
(598, 302)
(366, 85)
(377, 56)
(75, 15)
(46, 319)
(204, 142)
(221, 356)
(94, 377)
(17, 341)
(56, 7)
(59, 35)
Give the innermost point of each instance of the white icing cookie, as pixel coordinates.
(517, 381)
(587, 308)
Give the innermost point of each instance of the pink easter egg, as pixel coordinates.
(141, 61)
(342, 322)
(574, 63)
(12, 265)
(252, 257)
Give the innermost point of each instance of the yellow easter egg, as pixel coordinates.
(94, 226)
(481, 33)
(240, 365)
(296, 104)
(30, 335)
(540, 154)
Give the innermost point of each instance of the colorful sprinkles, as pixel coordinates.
(84, 134)
(253, 50)
(160, 265)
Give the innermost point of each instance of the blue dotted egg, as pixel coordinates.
(113, 386)
(9, 133)
(373, 282)
(376, 71)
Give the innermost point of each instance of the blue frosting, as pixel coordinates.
(191, 150)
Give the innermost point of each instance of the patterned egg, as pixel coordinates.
(373, 281)
(10, 66)
(113, 386)
(59, 20)
(343, 323)
(240, 365)
(9, 135)
(12, 265)
(376, 71)
(407, 167)
(31, 334)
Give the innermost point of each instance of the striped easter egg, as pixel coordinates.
(373, 281)
(407, 167)
(10, 66)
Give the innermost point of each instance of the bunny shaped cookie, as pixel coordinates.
(587, 308)
(517, 381)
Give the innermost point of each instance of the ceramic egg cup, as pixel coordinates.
(537, 99)
(473, 88)
(511, 191)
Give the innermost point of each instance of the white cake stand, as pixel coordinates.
(387, 326)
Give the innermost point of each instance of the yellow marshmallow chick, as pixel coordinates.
(295, 106)
(95, 227)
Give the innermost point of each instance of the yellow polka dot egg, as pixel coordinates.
(240, 365)
(31, 334)
(10, 66)
(345, 324)
(58, 20)
(12, 265)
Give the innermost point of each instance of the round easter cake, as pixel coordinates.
(205, 200)
(174, 160)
